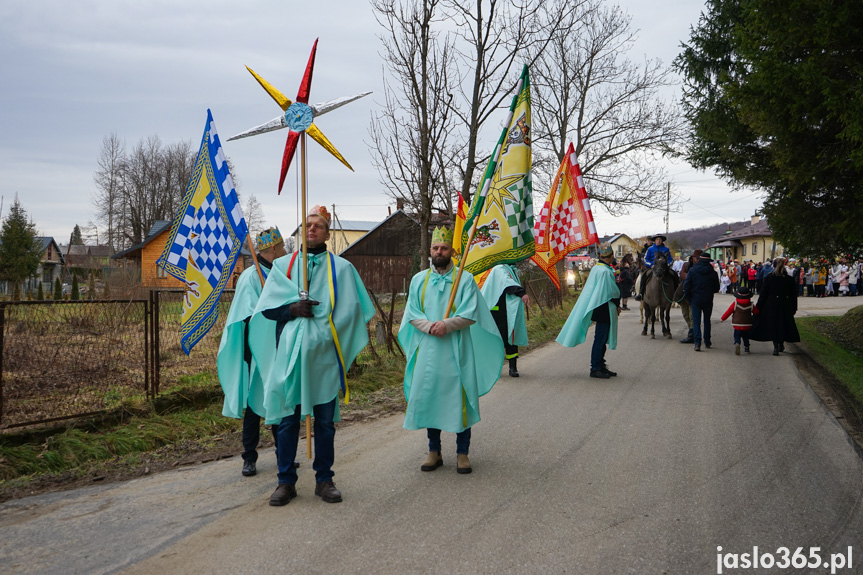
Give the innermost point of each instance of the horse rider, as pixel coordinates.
(658, 249)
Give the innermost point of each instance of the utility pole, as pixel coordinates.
(667, 208)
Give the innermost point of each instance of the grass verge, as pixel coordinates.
(841, 359)
(184, 425)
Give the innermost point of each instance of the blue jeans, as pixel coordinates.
(325, 433)
(700, 309)
(597, 352)
(252, 435)
(462, 440)
(740, 334)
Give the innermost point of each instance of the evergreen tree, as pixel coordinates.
(58, 289)
(106, 290)
(19, 250)
(774, 95)
(76, 295)
(77, 240)
(40, 293)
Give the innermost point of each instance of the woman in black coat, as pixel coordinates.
(777, 304)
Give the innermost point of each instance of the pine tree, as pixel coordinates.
(19, 251)
(76, 239)
(58, 289)
(76, 295)
(106, 290)
(40, 293)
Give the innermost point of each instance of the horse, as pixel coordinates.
(658, 296)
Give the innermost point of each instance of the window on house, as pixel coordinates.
(744, 251)
(161, 273)
(620, 250)
(754, 248)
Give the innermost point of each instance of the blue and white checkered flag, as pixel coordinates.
(205, 238)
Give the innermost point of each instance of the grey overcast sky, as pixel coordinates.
(74, 72)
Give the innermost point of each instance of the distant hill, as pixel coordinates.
(696, 238)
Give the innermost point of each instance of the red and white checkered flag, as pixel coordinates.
(565, 222)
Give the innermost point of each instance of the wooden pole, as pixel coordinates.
(254, 257)
(482, 195)
(460, 268)
(305, 261)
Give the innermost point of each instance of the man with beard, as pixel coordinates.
(238, 372)
(303, 344)
(452, 362)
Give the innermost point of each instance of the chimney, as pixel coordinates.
(400, 204)
(755, 219)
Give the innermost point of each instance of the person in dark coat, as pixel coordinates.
(626, 280)
(777, 305)
(698, 288)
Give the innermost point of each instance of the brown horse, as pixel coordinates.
(657, 296)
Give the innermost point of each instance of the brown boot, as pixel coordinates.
(432, 462)
(463, 465)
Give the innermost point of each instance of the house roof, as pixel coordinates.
(368, 233)
(157, 228)
(758, 229)
(45, 241)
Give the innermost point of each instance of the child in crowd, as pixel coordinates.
(741, 312)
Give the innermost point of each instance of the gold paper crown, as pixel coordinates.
(320, 211)
(442, 235)
(268, 238)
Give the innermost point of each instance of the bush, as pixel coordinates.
(76, 294)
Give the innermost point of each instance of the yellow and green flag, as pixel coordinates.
(503, 206)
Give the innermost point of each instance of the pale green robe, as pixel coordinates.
(446, 376)
(305, 369)
(240, 381)
(599, 289)
(501, 277)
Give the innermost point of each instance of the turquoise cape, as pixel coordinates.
(446, 376)
(501, 277)
(599, 289)
(240, 381)
(305, 369)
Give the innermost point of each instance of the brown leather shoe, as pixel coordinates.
(327, 491)
(463, 464)
(432, 462)
(283, 495)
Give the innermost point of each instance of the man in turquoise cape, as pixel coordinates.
(599, 302)
(506, 298)
(303, 347)
(238, 372)
(451, 362)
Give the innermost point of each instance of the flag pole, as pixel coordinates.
(305, 293)
(486, 186)
(254, 257)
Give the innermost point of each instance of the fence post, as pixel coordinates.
(2, 333)
(157, 364)
(147, 363)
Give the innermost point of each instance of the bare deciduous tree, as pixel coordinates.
(107, 199)
(410, 138)
(135, 190)
(588, 92)
(495, 38)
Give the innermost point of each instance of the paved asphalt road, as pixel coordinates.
(648, 472)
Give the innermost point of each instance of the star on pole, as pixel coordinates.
(298, 117)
